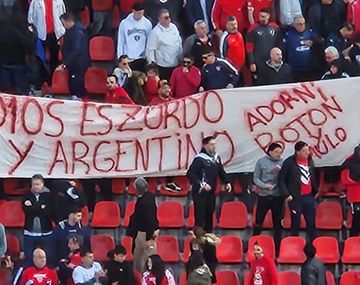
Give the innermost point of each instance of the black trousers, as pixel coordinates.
(276, 205)
(204, 207)
(355, 226)
(165, 72)
(89, 188)
(52, 44)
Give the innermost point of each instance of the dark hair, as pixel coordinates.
(230, 19)
(207, 50)
(206, 140)
(266, 10)
(152, 66)
(195, 261)
(121, 57)
(158, 268)
(309, 250)
(138, 6)
(113, 75)
(272, 147)
(84, 252)
(339, 65)
(74, 210)
(163, 11)
(68, 16)
(37, 177)
(300, 145)
(77, 238)
(119, 249)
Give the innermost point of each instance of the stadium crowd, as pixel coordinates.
(147, 53)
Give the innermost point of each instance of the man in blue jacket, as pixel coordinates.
(199, 10)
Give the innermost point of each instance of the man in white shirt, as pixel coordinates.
(89, 272)
(164, 45)
(132, 37)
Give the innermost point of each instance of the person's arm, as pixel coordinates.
(204, 79)
(75, 50)
(190, 16)
(188, 46)
(222, 174)
(232, 72)
(194, 170)
(29, 207)
(257, 175)
(151, 47)
(216, 15)
(282, 178)
(31, 12)
(121, 40)
(250, 45)
(173, 82)
(223, 46)
(193, 77)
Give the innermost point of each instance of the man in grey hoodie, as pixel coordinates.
(269, 195)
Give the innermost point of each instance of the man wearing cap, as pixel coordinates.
(144, 224)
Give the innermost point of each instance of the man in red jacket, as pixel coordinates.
(262, 268)
(232, 46)
(185, 79)
(39, 274)
(116, 94)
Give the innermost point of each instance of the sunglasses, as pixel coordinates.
(187, 61)
(205, 56)
(167, 18)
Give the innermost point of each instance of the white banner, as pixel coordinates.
(59, 138)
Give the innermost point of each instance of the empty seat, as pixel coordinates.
(182, 182)
(129, 210)
(350, 278)
(102, 48)
(187, 250)
(16, 186)
(12, 214)
(13, 245)
(233, 215)
(118, 186)
(287, 220)
(102, 5)
(351, 254)
(106, 215)
(266, 242)
(230, 250)
(327, 249)
(268, 222)
(329, 216)
(127, 242)
(227, 277)
(60, 82)
(101, 245)
(292, 250)
(95, 80)
(289, 277)
(330, 278)
(170, 214)
(168, 248)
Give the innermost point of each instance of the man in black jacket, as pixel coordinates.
(118, 269)
(297, 181)
(39, 209)
(203, 173)
(75, 54)
(313, 271)
(144, 224)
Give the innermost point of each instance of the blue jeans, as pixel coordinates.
(13, 79)
(44, 242)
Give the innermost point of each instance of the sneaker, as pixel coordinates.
(172, 187)
(75, 98)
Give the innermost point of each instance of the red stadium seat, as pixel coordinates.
(170, 214)
(329, 216)
(287, 220)
(5, 277)
(229, 250)
(233, 216)
(268, 222)
(129, 210)
(102, 5)
(183, 278)
(227, 277)
(101, 245)
(289, 277)
(327, 249)
(102, 48)
(118, 186)
(182, 182)
(266, 242)
(187, 251)
(12, 214)
(351, 254)
(191, 221)
(330, 278)
(95, 80)
(16, 186)
(85, 17)
(85, 216)
(127, 242)
(350, 278)
(13, 245)
(349, 219)
(138, 277)
(291, 250)
(60, 82)
(116, 17)
(328, 189)
(106, 215)
(168, 248)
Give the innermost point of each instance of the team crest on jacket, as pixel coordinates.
(218, 68)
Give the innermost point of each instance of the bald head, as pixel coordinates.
(276, 56)
(39, 258)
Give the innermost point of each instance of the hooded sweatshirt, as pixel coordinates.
(263, 271)
(132, 37)
(164, 46)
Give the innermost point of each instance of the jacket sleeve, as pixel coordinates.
(193, 172)
(75, 50)
(33, 209)
(31, 12)
(204, 79)
(250, 45)
(173, 82)
(121, 40)
(233, 73)
(3, 245)
(257, 175)
(284, 172)
(190, 15)
(151, 47)
(216, 15)
(222, 174)
(188, 45)
(223, 45)
(193, 77)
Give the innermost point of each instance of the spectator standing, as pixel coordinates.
(152, 82)
(254, 8)
(199, 10)
(123, 71)
(3, 244)
(120, 271)
(262, 268)
(45, 16)
(198, 43)
(269, 195)
(39, 209)
(164, 45)
(232, 46)
(31, 274)
(198, 273)
(299, 44)
(218, 73)
(313, 271)
(75, 53)
(185, 79)
(152, 8)
(164, 94)
(133, 34)
(203, 172)
(350, 177)
(260, 39)
(144, 224)
(89, 271)
(274, 70)
(297, 180)
(336, 71)
(116, 94)
(157, 273)
(289, 10)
